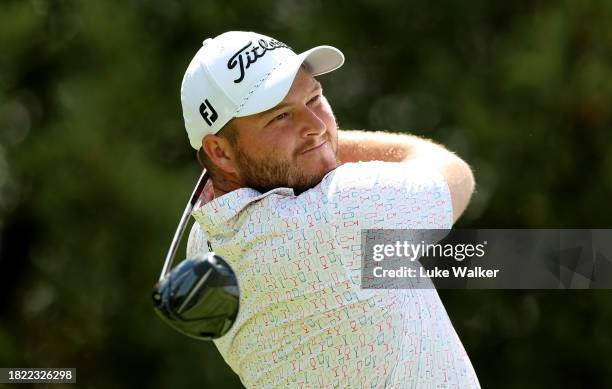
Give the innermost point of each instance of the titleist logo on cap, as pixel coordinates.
(251, 56)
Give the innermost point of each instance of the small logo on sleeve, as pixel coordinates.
(208, 112)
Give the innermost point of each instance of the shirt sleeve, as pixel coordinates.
(388, 195)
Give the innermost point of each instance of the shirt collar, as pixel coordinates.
(216, 215)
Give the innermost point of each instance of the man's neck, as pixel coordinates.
(222, 186)
(219, 193)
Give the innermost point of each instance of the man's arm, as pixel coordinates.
(354, 146)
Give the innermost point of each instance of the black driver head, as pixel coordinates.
(199, 297)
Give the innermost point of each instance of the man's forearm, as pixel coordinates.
(354, 146)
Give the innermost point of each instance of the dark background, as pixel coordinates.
(95, 166)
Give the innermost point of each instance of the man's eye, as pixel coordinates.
(314, 99)
(279, 117)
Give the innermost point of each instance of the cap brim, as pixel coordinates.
(273, 89)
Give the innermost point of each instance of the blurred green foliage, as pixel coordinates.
(95, 166)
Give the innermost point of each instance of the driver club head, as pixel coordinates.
(199, 297)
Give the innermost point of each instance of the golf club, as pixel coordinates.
(200, 296)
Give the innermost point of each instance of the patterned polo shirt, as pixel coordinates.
(304, 321)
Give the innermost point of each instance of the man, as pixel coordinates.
(286, 208)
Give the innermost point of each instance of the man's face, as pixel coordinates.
(292, 145)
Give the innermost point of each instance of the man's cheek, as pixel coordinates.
(331, 125)
(326, 107)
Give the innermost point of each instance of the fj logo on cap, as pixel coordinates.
(209, 117)
(257, 51)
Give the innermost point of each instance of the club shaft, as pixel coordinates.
(197, 191)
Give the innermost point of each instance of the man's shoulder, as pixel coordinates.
(388, 195)
(373, 174)
(353, 170)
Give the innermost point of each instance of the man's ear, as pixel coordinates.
(220, 152)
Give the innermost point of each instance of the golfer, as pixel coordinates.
(288, 197)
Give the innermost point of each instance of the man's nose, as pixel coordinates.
(310, 123)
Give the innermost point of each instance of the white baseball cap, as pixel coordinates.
(242, 73)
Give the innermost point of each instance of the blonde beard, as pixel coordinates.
(268, 173)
